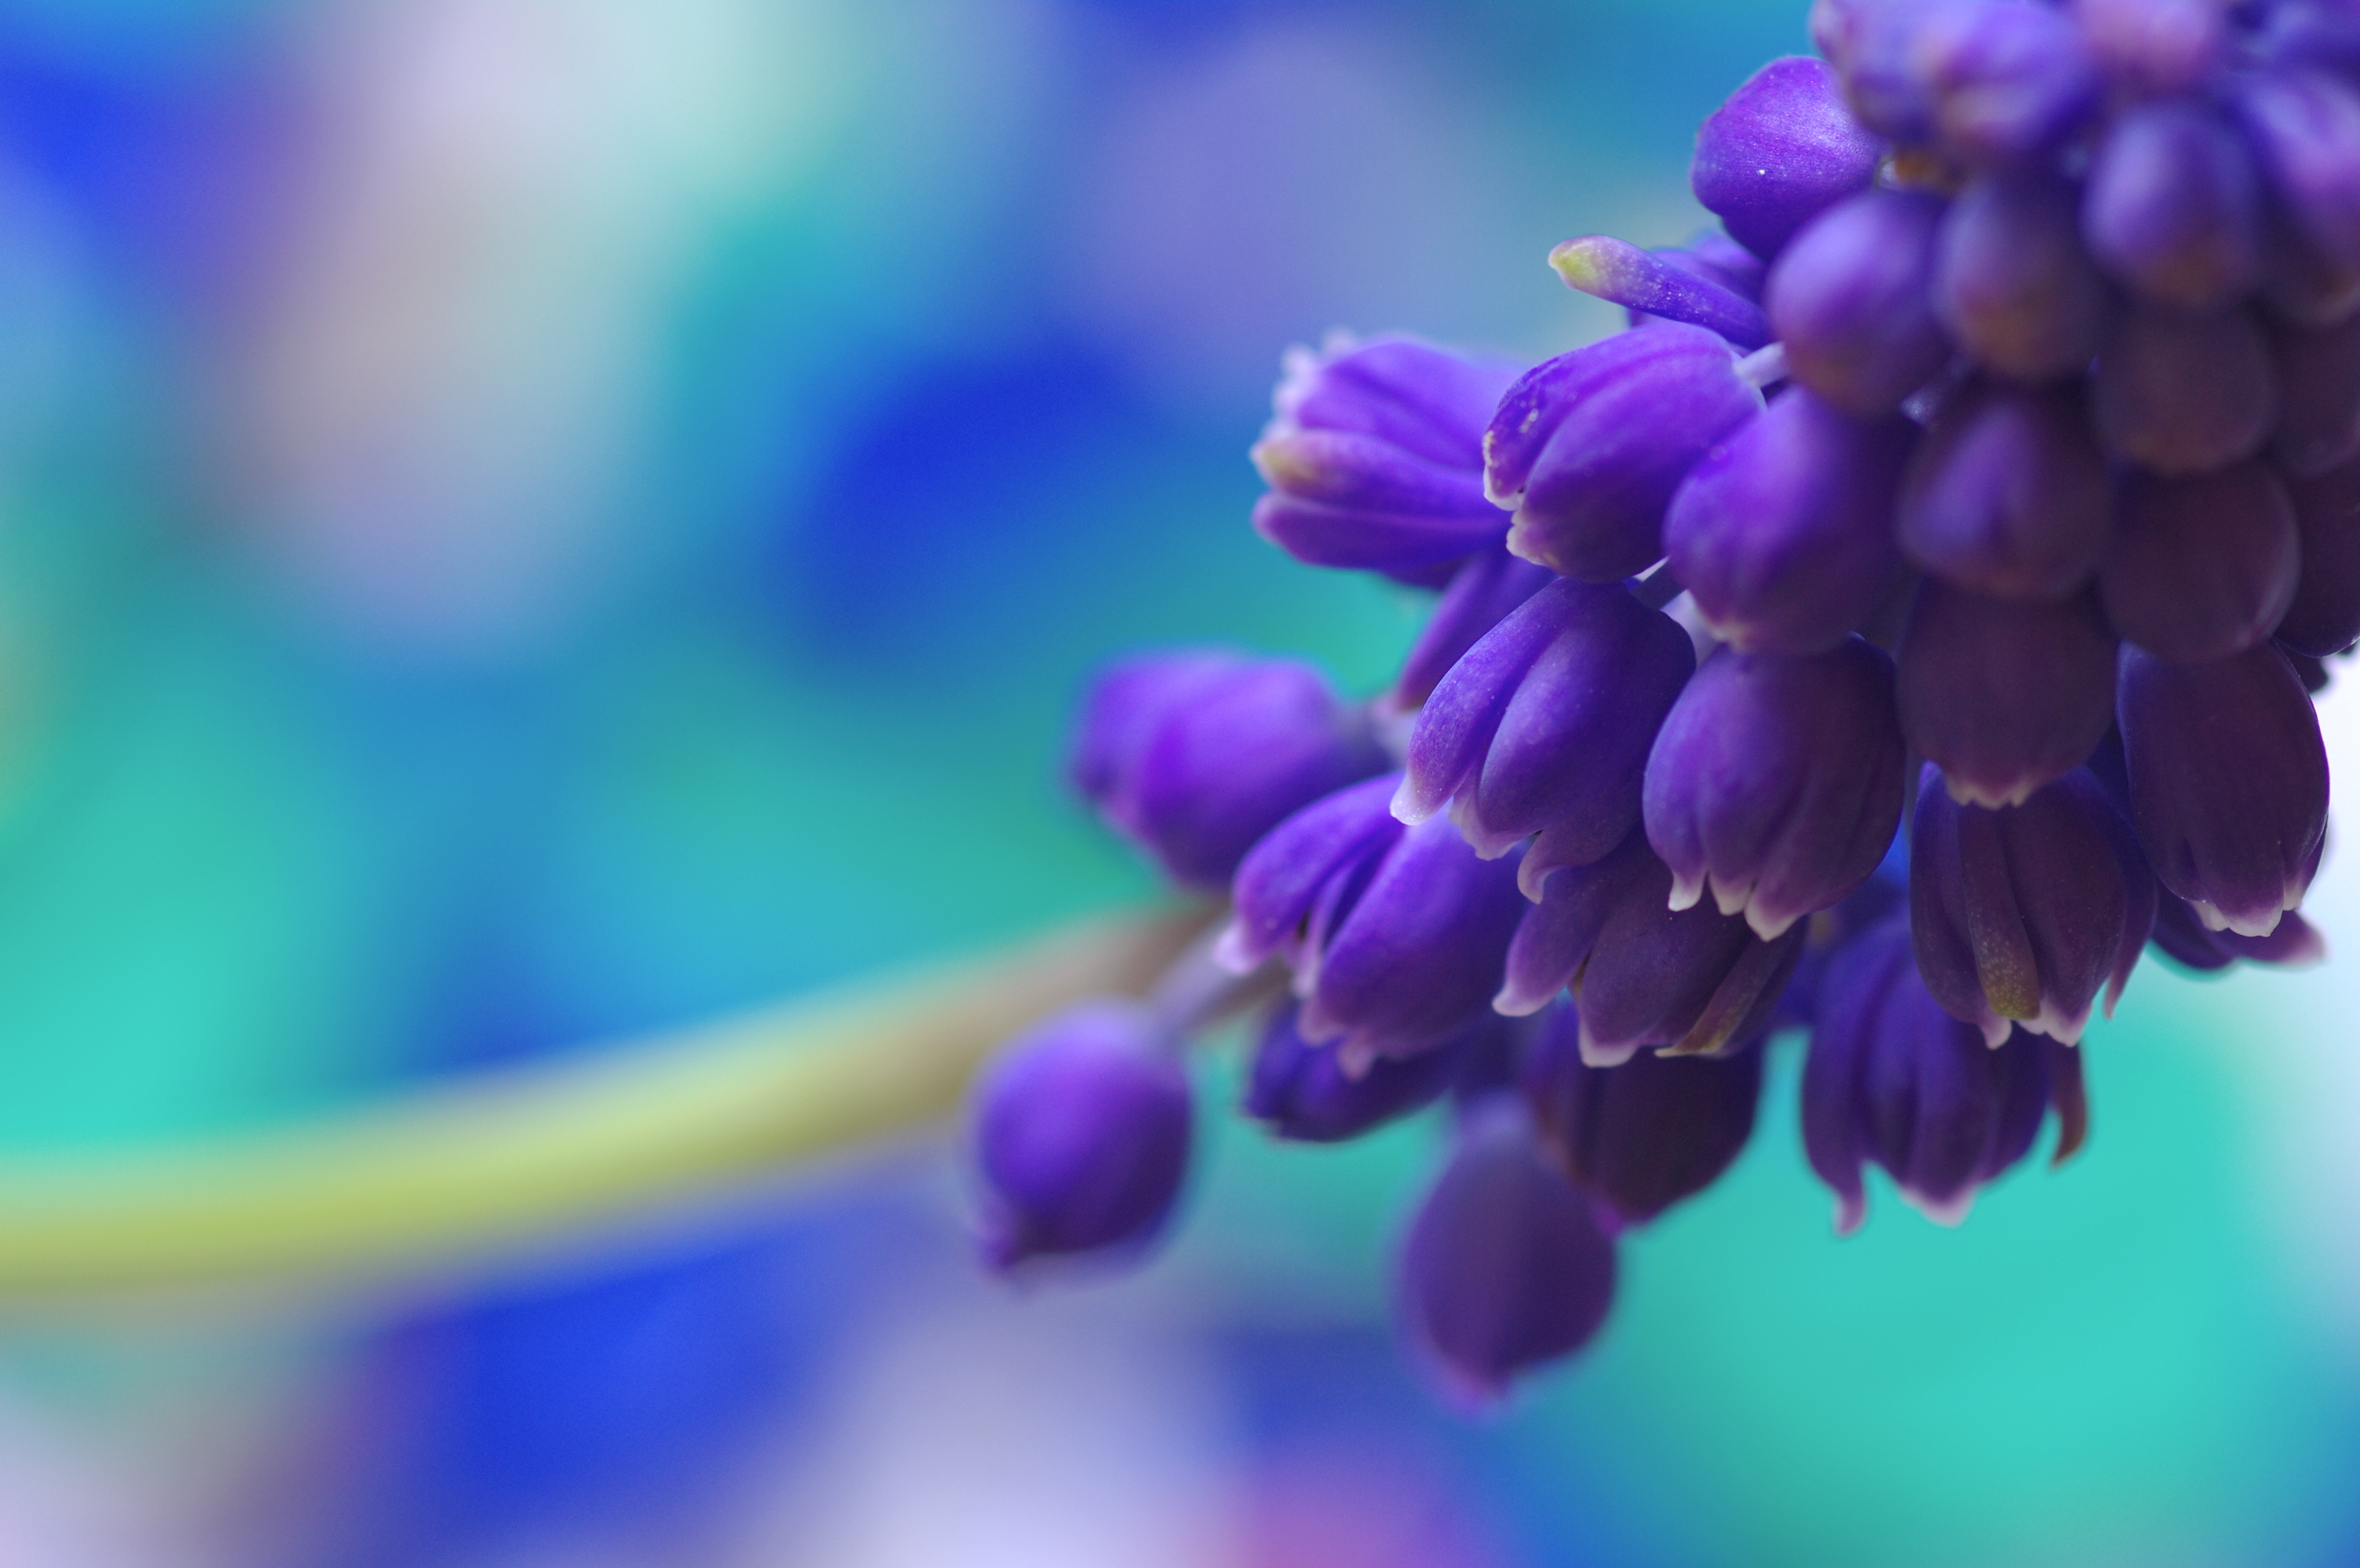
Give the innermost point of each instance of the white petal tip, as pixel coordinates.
(1234, 953)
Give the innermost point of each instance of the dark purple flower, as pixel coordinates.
(2228, 782)
(1782, 534)
(1643, 1135)
(1375, 458)
(2173, 206)
(1655, 284)
(1194, 754)
(1570, 906)
(1548, 720)
(1479, 595)
(2180, 937)
(1588, 448)
(1777, 782)
(2005, 80)
(1782, 147)
(2006, 695)
(2324, 616)
(2181, 393)
(2318, 398)
(2305, 124)
(1301, 1091)
(2007, 494)
(2154, 47)
(1851, 298)
(1506, 1267)
(1081, 1129)
(1892, 1080)
(2203, 566)
(1397, 936)
(2023, 914)
(2012, 284)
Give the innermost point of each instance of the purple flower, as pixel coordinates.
(2173, 206)
(2181, 393)
(1081, 1132)
(2318, 398)
(2153, 48)
(1588, 448)
(2228, 782)
(2026, 913)
(2324, 616)
(2203, 566)
(1643, 1135)
(1850, 298)
(1782, 147)
(1397, 936)
(2005, 80)
(2305, 124)
(1505, 1268)
(1655, 285)
(1375, 458)
(1301, 1091)
(2006, 695)
(1479, 595)
(2180, 936)
(1194, 754)
(1547, 720)
(1782, 534)
(2007, 494)
(1892, 1080)
(2012, 284)
(1777, 782)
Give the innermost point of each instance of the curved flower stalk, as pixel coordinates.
(1995, 466)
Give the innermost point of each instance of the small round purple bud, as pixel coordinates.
(1588, 448)
(1784, 532)
(1193, 756)
(2005, 81)
(1506, 1267)
(1375, 458)
(2318, 398)
(2324, 616)
(2007, 494)
(2204, 566)
(2182, 393)
(2012, 284)
(2228, 782)
(2305, 126)
(1850, 297)
(1643, 1135)
(1548, 720)
(2153, 48)
(1081, 1129)
(1782, 147)
(1777, 782)
(2173, 206)
(1301, 1091)
(2005, 694)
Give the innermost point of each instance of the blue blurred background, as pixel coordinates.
(525, 521)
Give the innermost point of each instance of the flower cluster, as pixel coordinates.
(1908, 622)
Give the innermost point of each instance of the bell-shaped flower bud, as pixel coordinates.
(2007, 495)
(2305, 126)
(2324, 616)
(2319, 399)
(1643, 1135)
(1375, 458)
(1781, 150)
(2005, 82)
(1588, 448)
(1194, 754)
(1548, 720)
(2302, 283)
(1850, 297)
(1892, 1080)
(2173, 206)
(2180, 937)
(1655, 284)
(1081, 1132)
(2019, 915)
(1777, 782)
(1505, 1268)
(1782, 534)
(1481, 593)
(2203, 566)
(2012, 284)
(1397, 936)
(1302, 1093)
(2228, 782)
(2182, 394)
(2153, 48)
(2006, 695)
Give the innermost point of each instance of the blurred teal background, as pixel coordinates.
(525, 521)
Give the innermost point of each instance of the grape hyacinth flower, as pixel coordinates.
(1995, 466)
